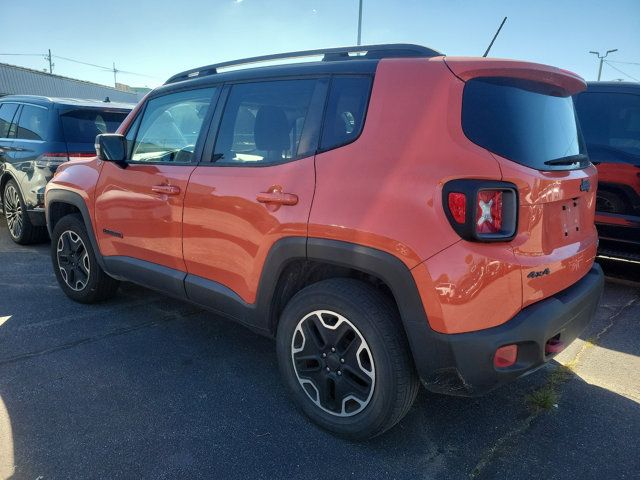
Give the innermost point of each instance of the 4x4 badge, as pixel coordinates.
(585, 185)
(540, 273)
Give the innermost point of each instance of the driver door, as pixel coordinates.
(138, 209)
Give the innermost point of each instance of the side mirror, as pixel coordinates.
(112, 147)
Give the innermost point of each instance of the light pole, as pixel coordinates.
(360, 23)
(597, 54)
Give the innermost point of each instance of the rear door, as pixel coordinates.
(256, 186)
(138, 209)
(524, 115)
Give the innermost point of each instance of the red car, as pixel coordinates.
(389, 217)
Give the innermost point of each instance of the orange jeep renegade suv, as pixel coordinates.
(388, 217)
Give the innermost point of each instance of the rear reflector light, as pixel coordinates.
(505, 356)
(458, 206)
(489, 211)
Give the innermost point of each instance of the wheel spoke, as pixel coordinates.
(73, 260)
(333, 363)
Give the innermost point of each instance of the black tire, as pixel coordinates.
(610, 202)
(377, 320)
(93, 287)
(21, 230)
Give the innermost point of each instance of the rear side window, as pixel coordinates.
(610, 122)
(344, 117)
(7, 111)
(526, 122)
(270, 122)
(82, 126)
(33, 123)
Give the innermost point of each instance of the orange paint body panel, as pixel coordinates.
(387, 194)
(149, 221)
(228, 233)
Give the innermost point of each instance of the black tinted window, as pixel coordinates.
(610, 122)
(269, 121)
(345, 113)
(82, 126)
(7, 111)
(523, 121)
(33, 123)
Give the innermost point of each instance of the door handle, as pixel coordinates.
(275, 195)
(166, 189)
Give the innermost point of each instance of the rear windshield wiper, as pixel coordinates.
(568, 160)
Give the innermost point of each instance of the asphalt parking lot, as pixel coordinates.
(144, 386)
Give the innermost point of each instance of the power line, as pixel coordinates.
(626, 63)
(48, 56)
(624, 73)
(22, 54)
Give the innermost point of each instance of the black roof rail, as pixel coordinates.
(330, 54)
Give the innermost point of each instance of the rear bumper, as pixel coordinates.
(462, 364)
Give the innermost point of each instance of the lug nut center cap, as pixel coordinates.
(333, 361)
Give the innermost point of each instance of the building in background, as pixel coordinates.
(16, 80)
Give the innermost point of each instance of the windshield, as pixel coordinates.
(526, 122)
(82, 126)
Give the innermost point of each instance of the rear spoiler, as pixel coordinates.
(466, 68)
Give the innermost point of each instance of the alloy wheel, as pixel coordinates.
(73, 260)
(13, 211)
(333, 363)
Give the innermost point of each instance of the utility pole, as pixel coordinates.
(115, 81)
(597, 54)
(48, 58)
(360, 24)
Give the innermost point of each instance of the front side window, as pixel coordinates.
(7, 112)
(33, 123)
(346, 109)
(82, 126)
(170, 127)
(610, 123)
(268, 122)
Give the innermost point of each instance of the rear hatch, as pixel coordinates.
(81, 125)
(523, 114)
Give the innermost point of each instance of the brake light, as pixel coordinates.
(489, 211)
(51, 159)
(79, 155)
(458, 206)
(482, 210)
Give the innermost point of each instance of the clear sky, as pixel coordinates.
(159, 37)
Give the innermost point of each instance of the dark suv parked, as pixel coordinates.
(609, 114)
(36, 135)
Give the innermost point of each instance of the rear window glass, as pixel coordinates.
(82, 126)
(610, 123)
(33, 123)
(526, 122)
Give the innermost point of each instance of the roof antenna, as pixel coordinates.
(494, 37)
